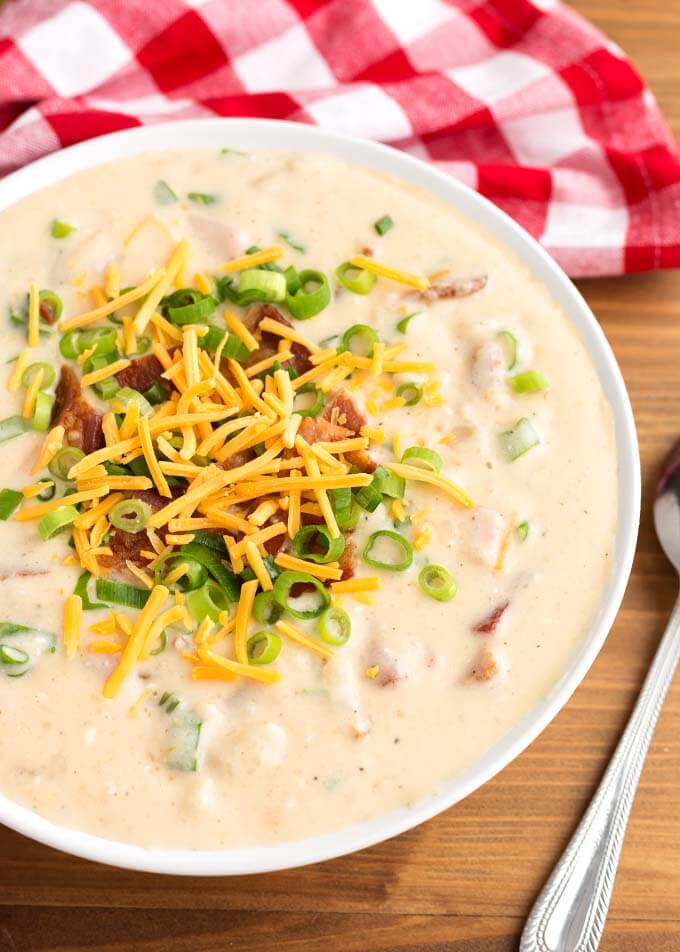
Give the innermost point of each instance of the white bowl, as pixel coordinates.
(262, 134)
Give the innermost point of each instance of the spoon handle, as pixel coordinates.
(569, 914)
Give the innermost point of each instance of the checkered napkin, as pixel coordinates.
(524, 101)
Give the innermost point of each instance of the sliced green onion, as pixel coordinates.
(265, 610)
(355, 279)
(511, 348)
(347, 512)
(64, 460)
(180, 298)
(55, 522)
(264, 647)
(162, 644)
(388, 483)
(51, 306)
(68, 345)
(258, 285)
(212, 339)
(235, 348)
(292, 280)
(411, 392)
(422, 457)
(309, 408)
(335, 626)
(520, 439)
(437, 582)
(348, 518)
(47, 493)
(61, 229)
(130, 515)
(210, 540)
(195, 313)
(29, 641)
(383, 225)
(207, 601)
(305, 303)
(226, 151)
(202, 198)
(155, 394)
(10, 500)
(169, 701)
(49, 375)
(368, 497)
(310, 539)
(287, 580)
(11, 427)
(103, 339)
(529, 381)
(11, 655)
(295, 245)
(247, 575)
(359, 339)
(211, 559)
(523, 531)
(195, 576)
(127, 395)
(81, 589)
(42, 414)
(107, 389)
(163, 194)
(98, 361)
(402, 553)
(121, 593)
(404, 322)
(224, 289)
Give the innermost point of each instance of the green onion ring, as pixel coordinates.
(10, 500)
(127, 395)
(61, 229)
(43, 411)
(383, 225)
(411, 392)
(56, 521)
(130, 515)
(361, 334)
(304, 304)
(263, 647)
(207, 601)
(50, 304)
(319, 534)
(437, 582)
(255, 284)
(68, 345)
(64, 459)
(335, 626)
(314, 408)
(397, 565)
(355, 279)
(520, 439)
(265, 610)
(195, 313)
(11, 655)
(423, 458)
(49, 375)
(162, 644)
(11, 427)
(285, 583)
(121, 593)
(388, 483)
(511, 347)
(103, 339)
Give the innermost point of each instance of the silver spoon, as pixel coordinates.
(570, 913)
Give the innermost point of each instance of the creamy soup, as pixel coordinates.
(214, 398)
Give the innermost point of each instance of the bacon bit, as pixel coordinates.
(341, 411)
(82, 425)
(142, 374)
(489, 624)
(269, 343)
(454, 289)
(485, 667)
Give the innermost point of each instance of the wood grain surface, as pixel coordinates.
(465, 880)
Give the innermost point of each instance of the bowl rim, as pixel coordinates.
(247, 133)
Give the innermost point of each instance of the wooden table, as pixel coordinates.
(465, 880)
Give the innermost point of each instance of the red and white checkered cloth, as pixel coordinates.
(521, 99)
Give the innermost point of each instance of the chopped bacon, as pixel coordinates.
(321, 430)
(128, 545)
(348, 559)
(269, 343)
(46, 312)
(342, 412)
(485, 667)
(82, 424)
(489, 624)
(454, 289)
(142, 374)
